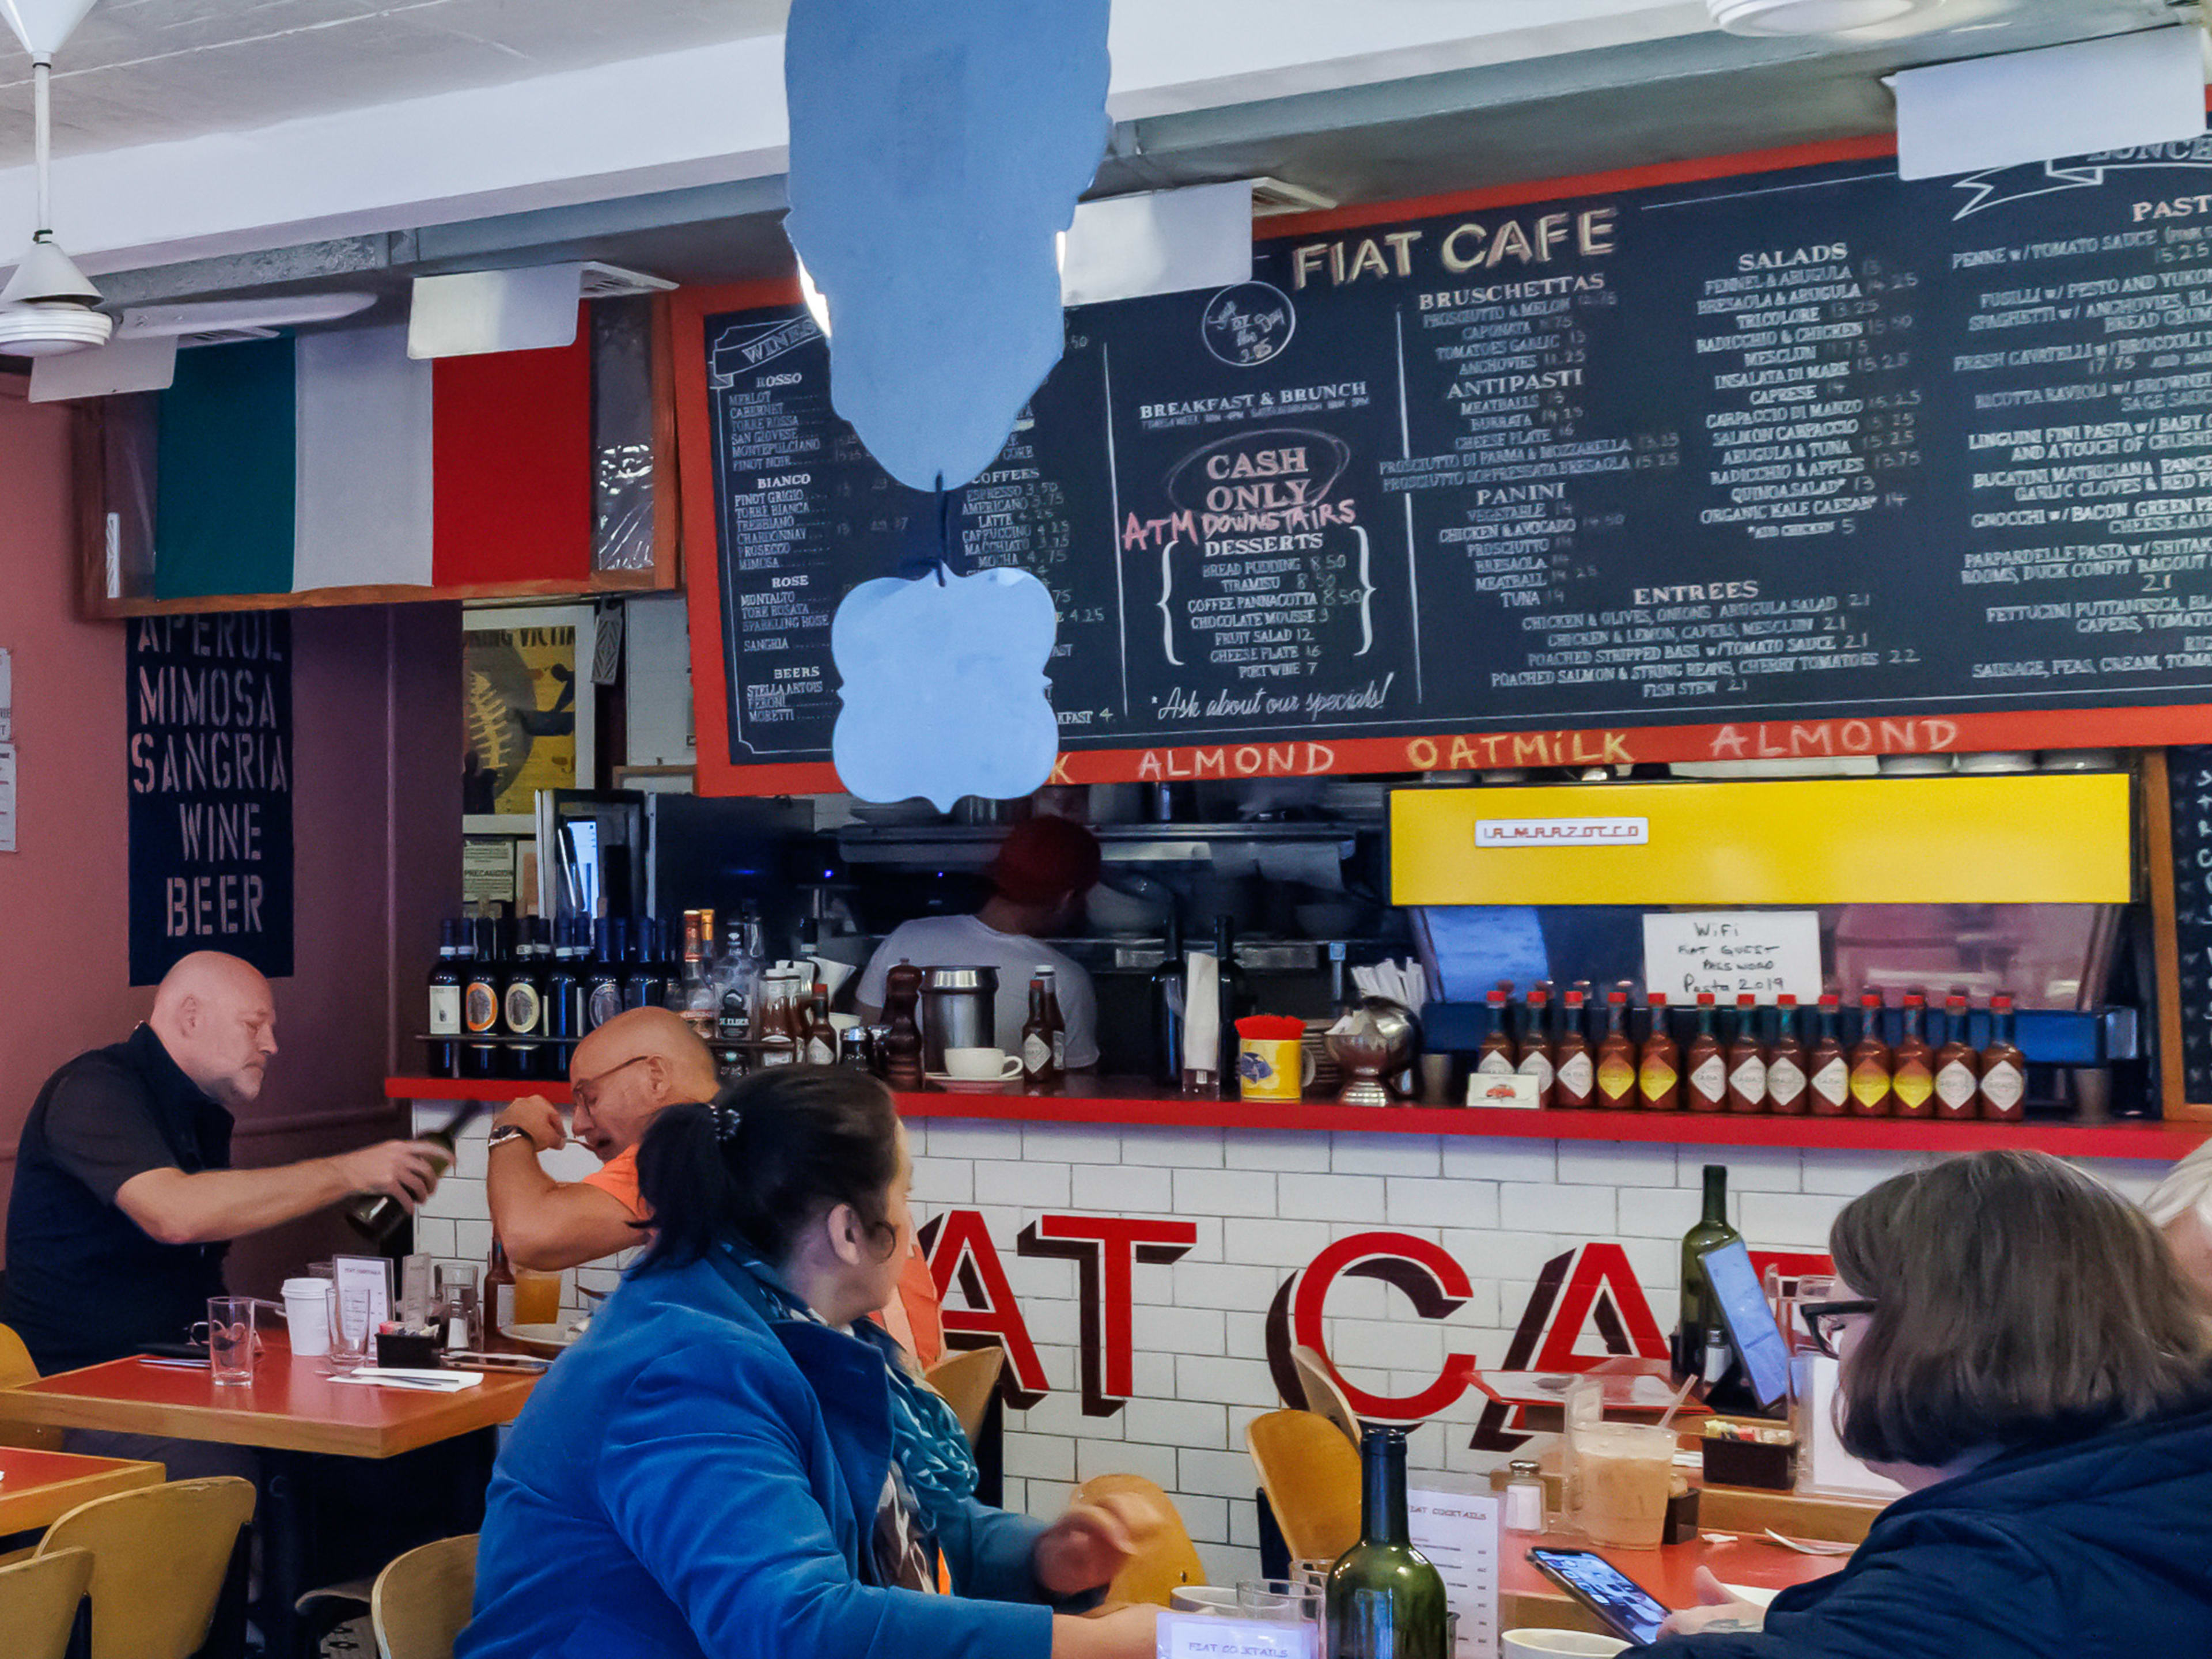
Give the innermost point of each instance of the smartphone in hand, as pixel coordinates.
(1629, 1611)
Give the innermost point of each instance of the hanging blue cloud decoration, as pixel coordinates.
(945, 687)
(936, 148)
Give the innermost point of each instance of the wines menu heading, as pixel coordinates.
(1783, 447)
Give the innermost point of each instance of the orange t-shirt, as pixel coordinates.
(912, 1314)
(617, 1179)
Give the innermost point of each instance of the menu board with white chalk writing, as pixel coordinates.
(1778, 446)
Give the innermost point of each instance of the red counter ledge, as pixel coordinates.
(1140, 1104)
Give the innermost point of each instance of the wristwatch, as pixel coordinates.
(507, 1131)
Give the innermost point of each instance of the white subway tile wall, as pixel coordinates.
(1265, 1203)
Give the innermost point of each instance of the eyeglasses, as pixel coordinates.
(1825, 1321)
(587, 1093)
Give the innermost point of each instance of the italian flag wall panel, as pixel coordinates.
(334, 460)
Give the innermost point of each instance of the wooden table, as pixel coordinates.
(37, 1488)
(1527, 1598)
(292, 1406)
(292, 1413)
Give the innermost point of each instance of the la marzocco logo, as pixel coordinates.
(1562, 832)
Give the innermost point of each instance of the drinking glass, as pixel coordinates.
(537, 1297)
(229, 1334)
(353, 1332)
(1280, 1598)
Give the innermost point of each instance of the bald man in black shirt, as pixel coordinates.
(125, 1200)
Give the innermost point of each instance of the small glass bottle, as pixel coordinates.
(1658, 1071)
(1524, 1492)
(1575, 1073)
(1496, 1057)
(1746, 1060)
(1534, 1053)
(1911, 1064)
(1616, 1055)
(1828, 1073)
(1705, 1067)
(2004, 1068)
(1785, 1062)
(1958, 1067)
(1870, 1076)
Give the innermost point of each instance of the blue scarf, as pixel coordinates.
(928, 1446)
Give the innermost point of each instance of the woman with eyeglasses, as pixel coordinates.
(734, 1460)
(2020, 1351)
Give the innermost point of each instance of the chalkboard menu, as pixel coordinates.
(1780, 448)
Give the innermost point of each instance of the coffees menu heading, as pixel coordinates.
(1782, 447)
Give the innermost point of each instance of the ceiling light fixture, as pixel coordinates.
(48, 306)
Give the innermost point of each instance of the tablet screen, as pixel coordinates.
(1750, 1322)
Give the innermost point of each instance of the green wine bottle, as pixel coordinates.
(1699, 1316)
(1384, 1598)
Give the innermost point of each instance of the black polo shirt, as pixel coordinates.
(84, 1282)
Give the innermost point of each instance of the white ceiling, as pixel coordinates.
(142, 71)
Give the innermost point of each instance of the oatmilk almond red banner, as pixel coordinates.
(334, 460)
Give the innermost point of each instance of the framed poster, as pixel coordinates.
(526, 710)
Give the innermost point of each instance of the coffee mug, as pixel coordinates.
(1273, 1068)
(1558, 1644)
(983, 1065)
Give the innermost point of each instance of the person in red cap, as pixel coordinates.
(1042, 870)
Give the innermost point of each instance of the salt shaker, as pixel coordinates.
(1524, 1496)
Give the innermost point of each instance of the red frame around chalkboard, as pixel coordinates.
(2070, 728)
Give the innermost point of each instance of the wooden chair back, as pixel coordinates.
(968, 1381)
(1312, 1476)
(39, 1600)
(420, 1602)
(1324, 1393)
(16, 1367)
(159, 1559)
(1165, 1556)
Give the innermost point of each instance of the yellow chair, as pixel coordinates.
(159, 1557)
(968, 1381)
(1324, 1393)
(1312, 1476)
(39, 1601)
(420, 1602)
(16, 1367)
(1165, 1556)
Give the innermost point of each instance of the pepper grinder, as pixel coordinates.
(900, 1050)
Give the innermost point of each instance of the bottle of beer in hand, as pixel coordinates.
(1384, 1598)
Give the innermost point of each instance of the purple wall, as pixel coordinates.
(376, 827)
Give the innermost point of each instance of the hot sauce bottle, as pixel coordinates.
(1496, 1058)
(1705, 1068)
(1912, 1064)
(1616, 1055)
(1747, 1060)
(1785, 1064)
(1532, 1057)
(1658, 1072)
(1828, 1081)
(2004, 1068)
(1870, 1078)
(1957, 1071)
(1575, 1073)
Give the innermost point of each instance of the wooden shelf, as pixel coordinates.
(1140, 1105)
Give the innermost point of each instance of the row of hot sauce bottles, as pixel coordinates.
(512, 997)
(1932, 1071)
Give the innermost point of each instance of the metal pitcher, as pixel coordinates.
(959, 1010)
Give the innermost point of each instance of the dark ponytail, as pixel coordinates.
(770, 1154)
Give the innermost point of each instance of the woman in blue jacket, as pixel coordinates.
(733, 1461)
(2022, 1351)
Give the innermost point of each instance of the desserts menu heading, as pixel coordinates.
(1778, 446)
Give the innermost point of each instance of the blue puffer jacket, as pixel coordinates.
(690, 1479)
(2098, 1550)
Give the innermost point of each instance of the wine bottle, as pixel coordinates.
(1236, 994)
(378, 1217)
(1699, 1315)
(1384, 1599)
(480, 991)
(446, 1002)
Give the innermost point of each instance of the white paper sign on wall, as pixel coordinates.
(7, 697)
(7, 796)
(1769, 953)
